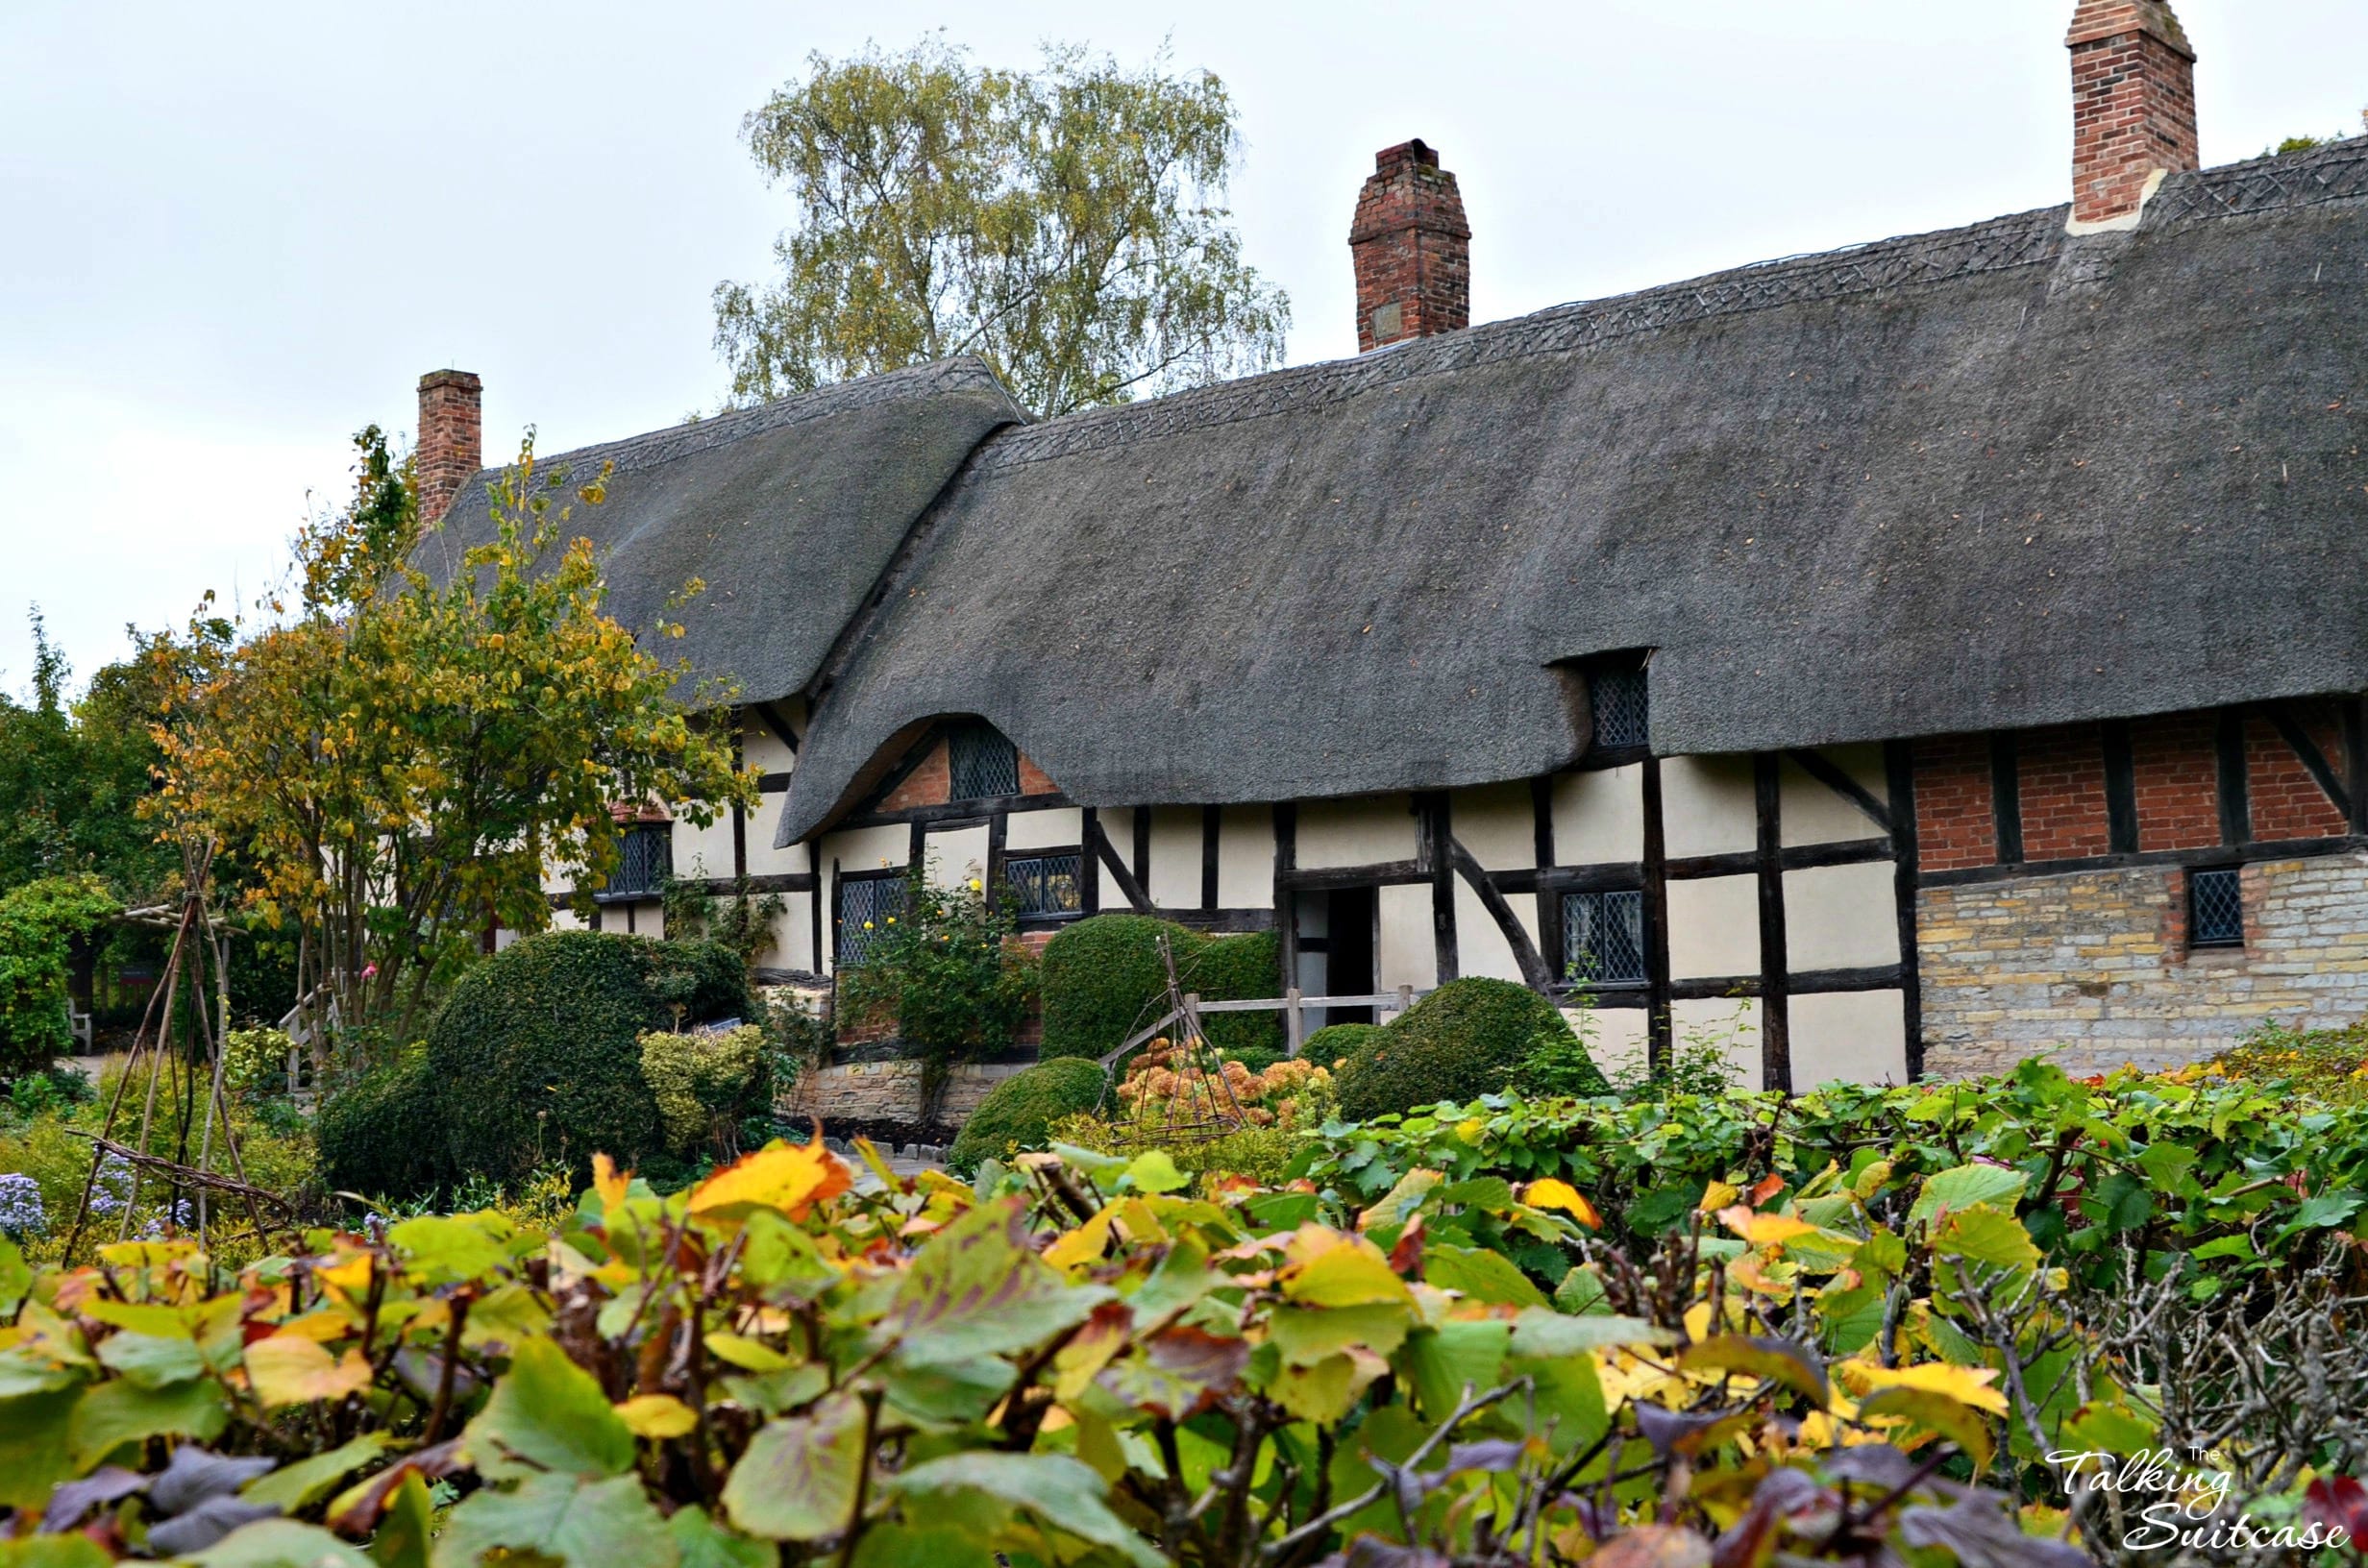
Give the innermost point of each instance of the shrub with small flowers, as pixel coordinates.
(947, 969)
(22, 1213)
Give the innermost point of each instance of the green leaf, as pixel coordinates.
(548, 1413)
(1968, 1186)
(701, 1543)
(54, 1552)
(2123, 1203)
(1154, 1171)
(1958, 1422)
(1307, 1334)
(15, 1276)
(1985, 1235)
(33, 1445)
(1443, 1361)
(798, 1478)
(115, 1413)
(442, 1249)
(977, 1288)
(1061, 1493)
(279, 1543)
(1545, 1333)
(587, 1524)
(405, 1534)
(914, 1546)
(2228, 1246)
(150, 1361)
(295, 1487)
(1481, 1275)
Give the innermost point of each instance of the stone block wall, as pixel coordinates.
(878, 1091)
(2093, 970)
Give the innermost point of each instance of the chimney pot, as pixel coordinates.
(2133, 70)
(1411, 249)
(452, 440)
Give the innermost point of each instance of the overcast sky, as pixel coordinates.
(230, 236)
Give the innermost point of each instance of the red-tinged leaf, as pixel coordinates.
(1406, 1258)
(1767, 1188)
(2338, 1503)
(1179, 1373)
(356, 1513)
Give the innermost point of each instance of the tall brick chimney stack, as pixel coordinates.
(1413, 249)
(452, 439)
(2132, 108)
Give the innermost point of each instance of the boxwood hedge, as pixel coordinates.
(1102, 981)
(1467, 1039)
(1017, 1111)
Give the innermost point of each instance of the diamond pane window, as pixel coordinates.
(1617, 698)
(866, 904)
(1603, 938)
(2216, 910)
(984, 765)
(647, 858)
(1044, 884)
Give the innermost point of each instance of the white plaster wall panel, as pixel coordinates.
(1407, 955)
(1715, 928)
(793, 935)
(958, 856)
(1362, 832)
(1858, 1036)
(1710, 806)
(1599, 817)
(1246, 858)
(1815, 813)
(1732, 1023)
(764, 860)
(1480, 946)
(565, 920)
(1842, 916)
(1617, 1038)
(868, 848)
(1175, 857)
(761, 748)
(1060, 828)
(1497, 824)
(703, 851)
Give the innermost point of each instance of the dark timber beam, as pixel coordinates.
(2120, 787)
(1657, 1047)
(1331, 878)
(2235, 797)
(1842, 784)
(1550, 938)
(1432, 804)
(1287, 906)
(1143, 846)
(1089, 863)
(947, 813)
(1775, 960)
(2006, 788)
(1534, 972)
(998, 830)
(1899, 769)
(1212, 818)
(2355, 760)
(2190, 858)
(772, 721)
(2313, 760)
(1097, 843)
(739, 819)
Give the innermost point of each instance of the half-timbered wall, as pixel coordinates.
(2058, 867)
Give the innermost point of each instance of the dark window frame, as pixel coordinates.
(2215, 909)
(981, 763)
(1636, 970)
(1619, 707)
(847, 953)
(642, 873)
(1018, 885)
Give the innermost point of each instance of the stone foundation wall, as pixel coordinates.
(873, 1092)
(2093, 968)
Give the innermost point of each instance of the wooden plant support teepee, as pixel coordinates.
(1201, 1106)
(201, 938)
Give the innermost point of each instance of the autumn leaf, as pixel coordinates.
(294, 1369)
(789, 1178)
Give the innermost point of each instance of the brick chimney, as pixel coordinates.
(1413, 249)
(2132, 108)
(452, 439)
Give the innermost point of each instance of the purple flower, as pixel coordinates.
(21, 1212)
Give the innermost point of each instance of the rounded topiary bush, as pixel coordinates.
(383, 1136)
(1103, 980)
(1337, 1041)
(536, 1055)
(1467, 1039)
(1017, 1111)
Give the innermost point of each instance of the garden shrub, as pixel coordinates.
(1339, 1041)
(383, 1134)
(1017, 1111)
(536, 1055)
(2330, 1065)
(1103, 980)
(705, 1085)
(1467, 1039)
(40, 922)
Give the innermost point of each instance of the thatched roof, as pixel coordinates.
(788, 513)
(1989, 478)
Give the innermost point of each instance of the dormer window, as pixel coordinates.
(1616, 695)
(983, 764)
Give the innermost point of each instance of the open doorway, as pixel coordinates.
(1336, 935)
